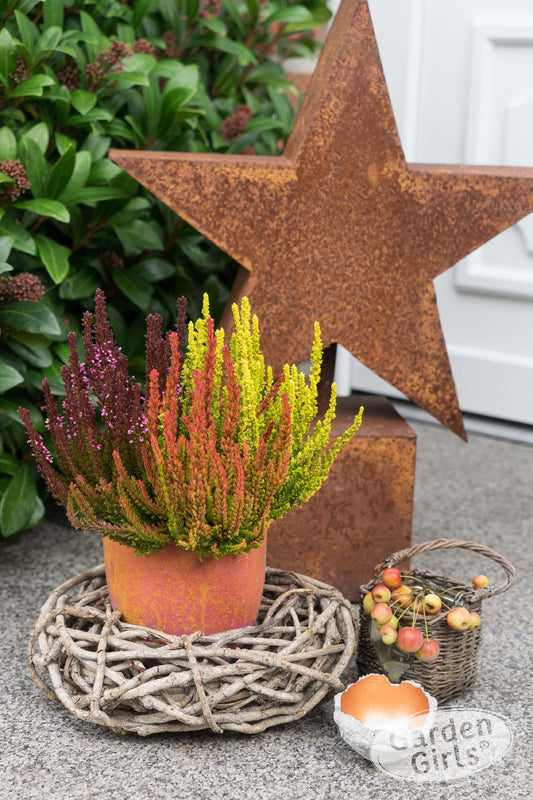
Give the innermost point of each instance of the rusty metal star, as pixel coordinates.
(340, 228)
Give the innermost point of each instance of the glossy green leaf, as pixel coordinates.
(171, 103)
(263, 124)
(139, 234)
(95, 194)
(60, 98)
(135, 290)
(18, 502)
(231, 7)
(35, 164)
(53, 373)
(197, 254)
(8, 144)
(6, 243)
(35, 356)
(10, 404)
(31, 87)
(95, 41)
(39, 509)
(153, 270)
(191, 7)
(78, 179)
(98, 146)
(82, 283)
(63, 142)
(140, 9)
(50, 38)
(9, 377)
(216, 25)
(253, 10)
(8, 464)
(140, 62)
(61, 173)
(21, 239)
(40, 135)
(53, 14)
(25, 315)
(83, 101)
(244, 55)
(179, 74)
(95, 115)
(54, 256)
(30, 339)
(29, 32)
(294, 14)
(45, 207)
(127, 79)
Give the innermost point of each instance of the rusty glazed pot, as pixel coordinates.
(173, 591)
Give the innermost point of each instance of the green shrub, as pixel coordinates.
(76, 79)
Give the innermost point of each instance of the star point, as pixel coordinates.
(340, 228)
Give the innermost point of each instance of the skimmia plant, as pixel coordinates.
(80, 77)
(206, 457)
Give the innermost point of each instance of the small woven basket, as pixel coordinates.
(455, 668)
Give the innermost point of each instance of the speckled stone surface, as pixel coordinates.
(482, 491)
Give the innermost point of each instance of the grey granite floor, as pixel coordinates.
(482, 491)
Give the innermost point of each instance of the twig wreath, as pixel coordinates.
(134, 679)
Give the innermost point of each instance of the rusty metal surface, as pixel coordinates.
(363, 511)
(340, 228)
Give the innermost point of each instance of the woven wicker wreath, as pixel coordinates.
(134, 679)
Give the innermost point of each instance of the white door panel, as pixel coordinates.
(460, 75)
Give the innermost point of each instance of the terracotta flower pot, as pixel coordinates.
(173, 591)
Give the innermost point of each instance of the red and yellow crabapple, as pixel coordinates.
(391, 577)
(429, 650)
(381, 593)
(402, 596)
(475, 620)
(381, 613)
(432, 603)
(368, 603)
(458, 618)
(480, 581)
(394, 622)
(388, 634)
(409, 640)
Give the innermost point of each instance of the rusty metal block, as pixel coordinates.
(363, 511)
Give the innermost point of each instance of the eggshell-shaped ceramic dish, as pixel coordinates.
(373, 705)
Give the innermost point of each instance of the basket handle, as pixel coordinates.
(445, 544)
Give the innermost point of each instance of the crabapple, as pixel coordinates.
(381, 613)
(432, 603)
(388, 634)
(391, 577)
(368, 603)
(402, 596)
(409, 640)
(458, 618)
(480, 581)
(381, 593)
(475, 620)
(429, 650)
(394, 622)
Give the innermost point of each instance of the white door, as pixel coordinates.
(460, 75)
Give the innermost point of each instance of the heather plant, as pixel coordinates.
(76, 79)
(206, 456)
